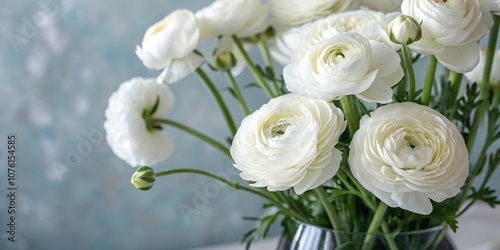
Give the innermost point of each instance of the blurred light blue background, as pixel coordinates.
(60, 61)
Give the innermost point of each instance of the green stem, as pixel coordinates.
(488, 63)
(478, 119)
(429, 80)
(350, 113)
(374, 226)
(331, 211)
(264, 50)
(234, 185)
(496, 97)
(237, 93)
(218, 98)
(388, 237)
(456, 81)
(258, 76)
(195, 133)
(409, 69)
(474, 172)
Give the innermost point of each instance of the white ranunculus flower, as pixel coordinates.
(169, 45)
(286, 42)
(289, 142)
(407, 154)
(476, 75)
(293, 13)
(369, 23)
(242, 18)
(346, 64)
(385, 6)
(126, 130)
(450, 30)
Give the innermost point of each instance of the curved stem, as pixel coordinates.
(374, 226)
(195, 133)
(478, 119)
(331, 211)
(258, 76)
(456, 81)
(234, 185)
(429, 80)
(350, 113)
(218, 98)
(409, 69)
(264, 50)
(488, 63)
(496, 97)
(237, 93)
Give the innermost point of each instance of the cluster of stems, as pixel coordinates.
(271, 89)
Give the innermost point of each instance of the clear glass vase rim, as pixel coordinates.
(420, 231)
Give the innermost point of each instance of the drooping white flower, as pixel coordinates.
(292, 13)
(370, 24)
(404, 30)
(476, 75)
(346, 64)
(385, 6)
(169, 45)
(289, 142)
(242, 18)
(450, 30)
(407, 154)
(126, 131)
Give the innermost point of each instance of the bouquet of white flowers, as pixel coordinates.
(349, 139)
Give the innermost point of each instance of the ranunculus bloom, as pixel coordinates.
(346, 64)
(385, 6)
(371, 24)
(293, 13)
(407, 154)
(289, 142)
(169, 45)
(476, 75)
(126, 130)
(450, 30)
(233, 17)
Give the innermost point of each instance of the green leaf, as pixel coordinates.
(155, 106)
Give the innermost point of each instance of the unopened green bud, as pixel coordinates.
(224, 60)
(404, 30)
(143, 178)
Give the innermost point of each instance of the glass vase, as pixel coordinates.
(310, 237)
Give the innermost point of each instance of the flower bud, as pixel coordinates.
(224, 60)
(143, 179)
(404, 30)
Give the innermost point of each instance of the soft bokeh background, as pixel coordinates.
(60, 61)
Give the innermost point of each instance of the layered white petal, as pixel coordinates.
(176, 36)
(407, 155)
(346, 64)
(289, 143)
(448, 26)
(292, 13)
(180, 68)
(233, 17)
(126, 131)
